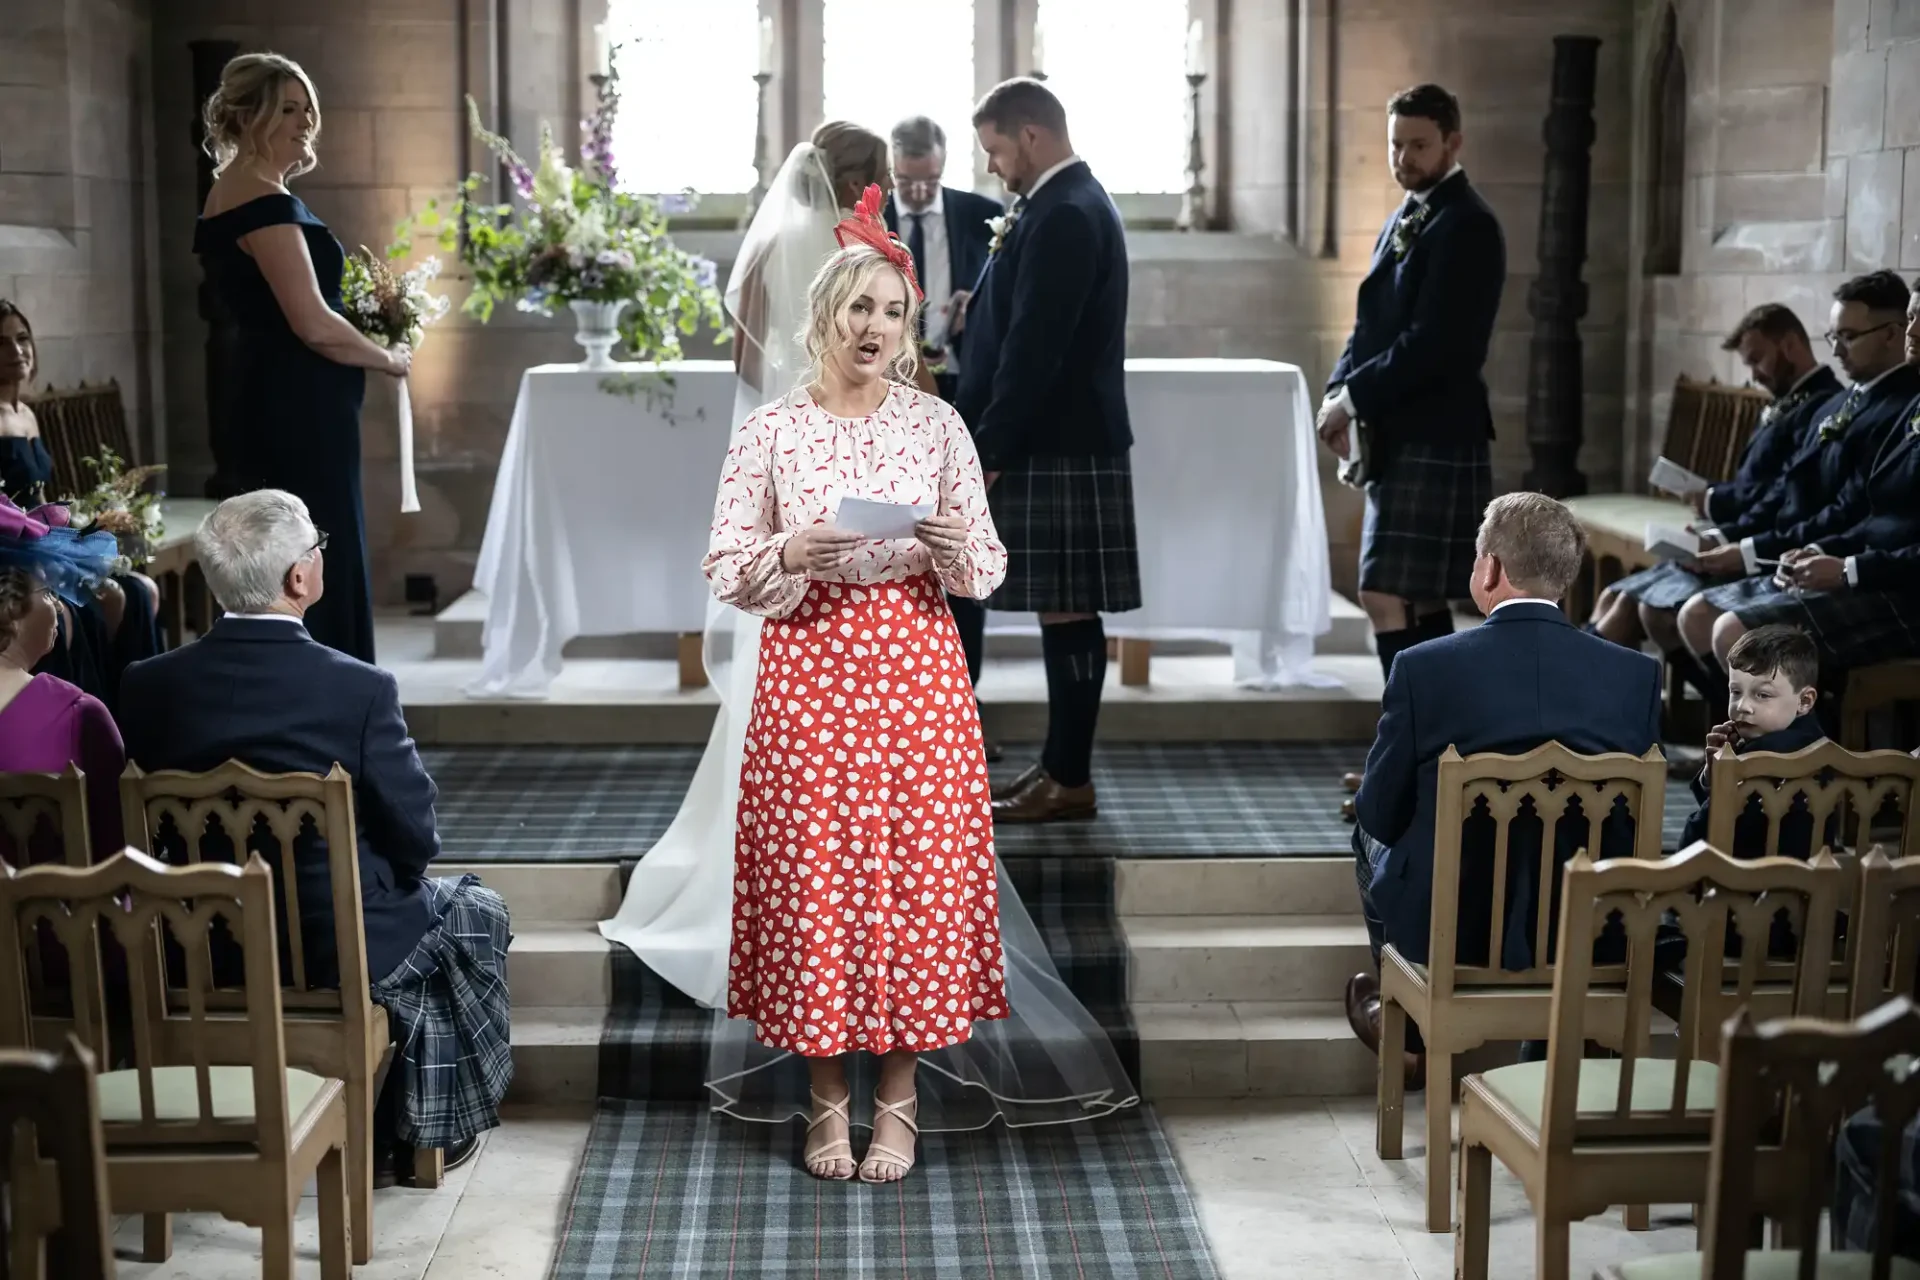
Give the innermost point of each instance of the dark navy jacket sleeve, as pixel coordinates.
(1452, 322)
(395, 794)
(1046, 310)
(1390, 789)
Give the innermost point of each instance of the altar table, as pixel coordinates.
(602, 503)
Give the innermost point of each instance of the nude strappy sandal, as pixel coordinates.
(882, 1153)
(839, 1148)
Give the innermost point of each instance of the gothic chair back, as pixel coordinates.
(1886, 931)
(1787, 1087)
(52, 1168)
(1504, 825)
(1728, 416)
(80, 423)
(43, 819)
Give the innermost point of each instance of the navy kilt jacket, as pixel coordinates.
(1423, 323)
(1773, 444)
(1044, 374)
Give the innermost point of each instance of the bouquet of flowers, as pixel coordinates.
(577, 239)
(119, 503)
(393, 308)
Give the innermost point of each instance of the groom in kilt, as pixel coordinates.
(1407, 400)
(1043, 389)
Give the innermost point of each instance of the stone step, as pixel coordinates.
(1193, 958)
(559, 963)
(457, 629)
(1293, 886)
(1234, 1049)
(556, 1053)
(548, 891)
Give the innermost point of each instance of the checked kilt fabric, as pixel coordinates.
(452, 1020)
(1666, 585)
(1852, 628)
(1856, 1213)
(1068, 528)
(675, 1190)
(1422, 518)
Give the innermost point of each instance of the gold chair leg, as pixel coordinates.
(1390, 1101)
(156, 1237)
(1476, 1208)
(428, 1167)
(1439, 1141)
(337, 1237)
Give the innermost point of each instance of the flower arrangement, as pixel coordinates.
(577, 239)
(1408, 227)
(391, 307)
(1834, 425)
(1001, 227)
(119, 503)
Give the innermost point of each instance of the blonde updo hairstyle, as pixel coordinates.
(839, 282)
(241, 111)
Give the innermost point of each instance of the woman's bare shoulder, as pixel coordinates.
(18, 420)
(231, 190)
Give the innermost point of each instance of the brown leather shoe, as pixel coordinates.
(1351, 781)
(1047, 801)
(1363, 1015)
(1347, 811)
(1032, 774)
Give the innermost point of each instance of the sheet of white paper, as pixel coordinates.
(872, 519)
(1670, 477)
(1671, 542)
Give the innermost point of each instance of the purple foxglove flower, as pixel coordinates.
(675, 202)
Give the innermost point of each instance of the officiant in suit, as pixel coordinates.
(1043, 388)
(1409, 387)
(947, 232)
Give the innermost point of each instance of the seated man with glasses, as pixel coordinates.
(258, 689)
(1834, 555)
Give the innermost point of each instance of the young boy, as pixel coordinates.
(1772, 674)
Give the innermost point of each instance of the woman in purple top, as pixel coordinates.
(47, 724)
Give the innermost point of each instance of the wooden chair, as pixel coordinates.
(333, 1031)
(50, 1102)
(79, 423)
(42, 811)
(1813, 1075)
(1585, 1135)
(1871, 689)
(1886, 938)
(1459, 1007)
(203, 1121)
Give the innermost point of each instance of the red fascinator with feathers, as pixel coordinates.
(867, 227)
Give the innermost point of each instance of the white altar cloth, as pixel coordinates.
(602, 503)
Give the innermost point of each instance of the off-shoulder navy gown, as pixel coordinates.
(296, 414)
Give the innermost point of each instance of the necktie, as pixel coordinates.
(917, 246)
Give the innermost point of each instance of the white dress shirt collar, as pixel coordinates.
(261, 617)
(1871, 383)
(1043, 179)
(1551, 604)
(1421, 197)
(1801, 381)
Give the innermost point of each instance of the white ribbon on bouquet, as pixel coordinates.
(409, 493)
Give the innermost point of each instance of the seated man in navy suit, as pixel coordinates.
(1523, 678)
(258, 689)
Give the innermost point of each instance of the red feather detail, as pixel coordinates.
(867, 227)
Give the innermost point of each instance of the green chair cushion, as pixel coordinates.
(1523, 1086)
(1626, 514)
(176, 1097)
(1764, 1264)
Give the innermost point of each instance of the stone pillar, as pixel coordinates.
(1558, 298)
(210, 57)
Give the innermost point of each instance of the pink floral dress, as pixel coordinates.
(864, 915)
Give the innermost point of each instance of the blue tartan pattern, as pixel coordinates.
(1666, 585)
(1852, 628)
(1067, 524)
(1422, 519)
(452, 1019)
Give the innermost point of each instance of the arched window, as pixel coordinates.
(1124, 85)
(1666, 152)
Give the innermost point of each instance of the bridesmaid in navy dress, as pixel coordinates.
(302, 364)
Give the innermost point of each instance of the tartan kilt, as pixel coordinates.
(1852, 628)
(1422, 519)
(1067, 524)
(451, 1018)
(1666, 585)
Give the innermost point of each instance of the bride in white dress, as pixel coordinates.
(1049, 1062)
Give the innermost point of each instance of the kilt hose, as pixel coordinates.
(1851, 628)
(1067, 524)
(1666, 585)
(1422, 519)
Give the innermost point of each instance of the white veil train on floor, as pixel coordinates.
(1049, 1062)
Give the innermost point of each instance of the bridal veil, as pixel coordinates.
(1047, 1063)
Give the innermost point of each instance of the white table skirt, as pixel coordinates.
(602, 503)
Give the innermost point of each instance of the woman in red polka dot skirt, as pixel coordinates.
(865, 915)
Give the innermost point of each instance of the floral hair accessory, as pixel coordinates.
(41, 544)
(867, 227)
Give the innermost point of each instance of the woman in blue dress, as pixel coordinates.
(302, 366)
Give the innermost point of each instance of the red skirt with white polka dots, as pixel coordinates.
(864, 910)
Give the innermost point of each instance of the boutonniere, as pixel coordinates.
(933, 358)
(1913, 423)
(1785, 404)
(1407, 229)
(1000, 227)
(1835, 424)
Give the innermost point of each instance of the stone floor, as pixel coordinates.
(1286, 1188)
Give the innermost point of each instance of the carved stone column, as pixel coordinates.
(210, 57)
(1558, 298)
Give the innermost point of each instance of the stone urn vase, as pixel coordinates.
(597, 329)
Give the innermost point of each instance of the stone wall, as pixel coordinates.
(76, 196)
(388, 79)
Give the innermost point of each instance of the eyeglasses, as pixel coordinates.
(320, 545)
(1838, 338)
(916, 186)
